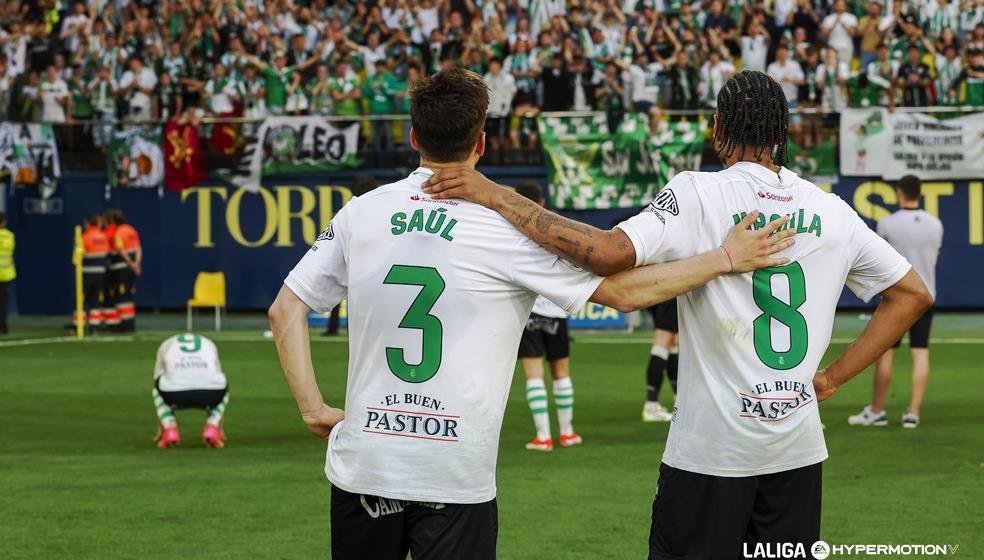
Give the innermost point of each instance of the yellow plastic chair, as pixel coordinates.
(210, 291)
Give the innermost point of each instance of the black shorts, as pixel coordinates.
(496, 126)
(364, 527)
(716, 517)
(524, 98)
(665, 316)
(195, 398)
(919, 331)
(545, 336)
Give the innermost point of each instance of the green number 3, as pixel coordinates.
(190, 343)
(418, 317)
(787, 314)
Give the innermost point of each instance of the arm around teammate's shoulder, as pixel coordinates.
(602, 252)
(744, 250)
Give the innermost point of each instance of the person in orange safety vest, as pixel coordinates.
(114, 273)
(126, 242)
(96, 249)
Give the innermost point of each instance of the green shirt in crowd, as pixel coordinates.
(379, 90)
(276, 85)
(345, 107)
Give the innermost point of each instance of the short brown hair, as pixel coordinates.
(112, 216)
(447, 111)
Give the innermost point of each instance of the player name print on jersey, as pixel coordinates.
(797, 221)
(433, 224)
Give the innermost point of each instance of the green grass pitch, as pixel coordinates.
(81, 478)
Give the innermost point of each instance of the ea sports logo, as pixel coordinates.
(820, 550)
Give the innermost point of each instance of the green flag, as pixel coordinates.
(589, 168)
(135, 158)
(818, 161)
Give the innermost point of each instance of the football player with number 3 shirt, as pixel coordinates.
(439, 292)
(743, 455)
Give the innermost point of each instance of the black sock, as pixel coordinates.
(654, 377)
(672, 367)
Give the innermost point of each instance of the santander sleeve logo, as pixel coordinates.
(775, 197)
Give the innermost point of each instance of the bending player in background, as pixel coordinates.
(546, 335)
(918, 236)
(439, 292)
(742, 464)
(188, 374)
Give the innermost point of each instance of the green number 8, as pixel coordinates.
(787, 314)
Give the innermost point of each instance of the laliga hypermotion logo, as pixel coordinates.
(775, 197)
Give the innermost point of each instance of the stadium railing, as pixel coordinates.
(78, 152)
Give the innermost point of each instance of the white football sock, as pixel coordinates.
(536, 397)
(564, 399)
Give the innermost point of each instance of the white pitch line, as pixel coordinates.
(60, 339)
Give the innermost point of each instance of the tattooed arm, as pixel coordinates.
(602, 252)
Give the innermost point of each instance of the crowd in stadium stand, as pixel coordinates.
(154, 60)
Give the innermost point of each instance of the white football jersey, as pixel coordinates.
(546, 308)
(918, 236)
(188, 362)
(750, 343)
(439, 292)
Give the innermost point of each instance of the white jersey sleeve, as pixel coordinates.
(875, 265)
(320, 279)
(556, 279)
(668, 229)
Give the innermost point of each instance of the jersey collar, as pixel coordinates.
(420, 175)
(783, 180)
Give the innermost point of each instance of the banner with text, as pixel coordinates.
(877, 142)
(589, 168)
(293, 145)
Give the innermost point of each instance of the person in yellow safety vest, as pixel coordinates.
(126, 241)
(7, 270)
(96, 247)
(112, 283)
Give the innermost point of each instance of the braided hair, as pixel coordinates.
(752, 114)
